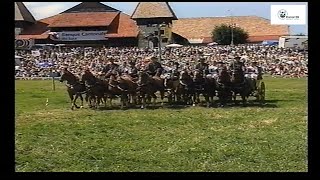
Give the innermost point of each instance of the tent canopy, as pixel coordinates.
(174, 45)
(270, 42)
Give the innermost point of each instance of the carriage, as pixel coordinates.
(259, 89)
(245, 84)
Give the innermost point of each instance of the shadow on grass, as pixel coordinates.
(178, 106)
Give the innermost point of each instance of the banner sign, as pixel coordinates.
(78, 35)
(24, 43)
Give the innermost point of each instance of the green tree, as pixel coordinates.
(222, 35)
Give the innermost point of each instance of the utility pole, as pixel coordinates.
(159, 37)
(231, 29)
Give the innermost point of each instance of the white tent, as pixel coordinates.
(212, 44)
(60, 44)
(174, 45)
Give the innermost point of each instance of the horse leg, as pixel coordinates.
(99, 99)
(211, 99)
(134, 99)
(149, 99)
(206, 96)
(143, 97)
(105, 100)
(110, 101)
(234, 96)
(81, 98)
(122, 99)
(198, 97)
(71, 98)
(75, 100)
(127, 97)
(154, 99)
(92, 100)
(162, 97)
(244, 99)
(193, 98)
(87, 99)
(170, 97)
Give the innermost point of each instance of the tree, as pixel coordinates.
(222, 35)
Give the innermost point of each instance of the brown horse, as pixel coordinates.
(95, 88)
(75, 89)
(224, 86)
(198, 81)
(186, 88)
(147, 87)
(130, 85)
(171, 83)
(115, 89)
(240, 85)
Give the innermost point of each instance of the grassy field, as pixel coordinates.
(272, 138)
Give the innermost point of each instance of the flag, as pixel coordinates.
(35, 53)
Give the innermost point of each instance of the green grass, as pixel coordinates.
(195, 139)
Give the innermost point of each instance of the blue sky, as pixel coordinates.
(182, 9)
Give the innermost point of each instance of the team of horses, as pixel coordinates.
(184, 87)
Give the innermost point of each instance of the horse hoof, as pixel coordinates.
(81, 107)
(193, 105)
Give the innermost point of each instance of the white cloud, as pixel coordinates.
(42, 10)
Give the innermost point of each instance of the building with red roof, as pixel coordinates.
(93, 23)
(89, 23)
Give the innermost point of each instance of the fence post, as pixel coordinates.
(53, 84)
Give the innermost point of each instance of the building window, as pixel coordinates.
(164, 40)
(156, 33)
(162, 32)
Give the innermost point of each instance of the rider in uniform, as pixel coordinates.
(91, 78)
(202, 66)
(254, 72)
(132, 69)
(175, 70)
(153, 67)
(237, 65)
(110, 67)
(214, 68)
(66, 71)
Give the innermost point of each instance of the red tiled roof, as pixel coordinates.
(196, 28)
(262, 38)
(252, 39)
(207, 40)
(153, 10)
(84, 19)
(120, 26)
(39, 30)
(126, 27)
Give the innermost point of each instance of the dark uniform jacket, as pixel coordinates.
(237, 66)
(110, 67)
(203, 67)
(153, 67)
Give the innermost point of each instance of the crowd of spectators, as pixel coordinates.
(47, 62)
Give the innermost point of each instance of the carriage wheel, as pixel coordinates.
(262, 93)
